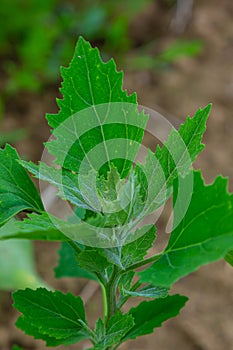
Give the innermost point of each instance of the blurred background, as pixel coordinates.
(178, 56)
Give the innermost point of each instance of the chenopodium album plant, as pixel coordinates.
(97, 135)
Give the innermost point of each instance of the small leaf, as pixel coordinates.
(35, 227)
(149, 291)
(117, 327)
(119, 197)
(100, 329)
(125, 281)
(136, 250)
(17, 191)
(92, 261)
(68, 264)
(108, 187)
(151, 314)
(113, 256)
(54, 314)
(229, 257)
(204, 235)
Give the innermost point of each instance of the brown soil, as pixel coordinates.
(206, 322)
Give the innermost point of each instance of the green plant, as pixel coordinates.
(98, 131)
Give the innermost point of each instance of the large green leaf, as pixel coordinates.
(172, 156)
(149, 315)
(173, 159)
(15, 272)
(52, 314)
(90, 81)
(204, 235)
(94, 111)
(17, 191)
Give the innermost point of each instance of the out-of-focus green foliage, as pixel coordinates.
(176, 50)
(32, 35)
(12, 136)
(17, 266)
(37, 36)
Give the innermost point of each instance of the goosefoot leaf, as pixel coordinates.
(136, 250)
(174, 158)
(125, 255)
(53, 314)
(17, 191)
(95, 87)
(92, 261)
(151, 314)
(90, 81)
(204, 235)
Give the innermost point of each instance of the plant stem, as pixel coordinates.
(111, 294)
(110, 289)
(105, 302)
